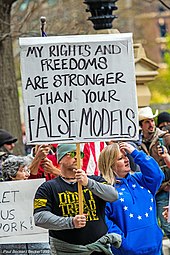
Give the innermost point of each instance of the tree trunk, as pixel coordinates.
(9, 103)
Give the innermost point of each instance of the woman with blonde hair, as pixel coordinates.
(133, 215)
(107, 161)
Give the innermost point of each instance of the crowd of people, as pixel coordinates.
(125, 190)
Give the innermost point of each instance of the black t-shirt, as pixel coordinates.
(61, 198)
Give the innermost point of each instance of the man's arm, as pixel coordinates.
(104, 191)
(40, 153)
(48, 220)
(49, 168)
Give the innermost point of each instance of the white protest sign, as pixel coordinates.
(79, 88)
(16, 212)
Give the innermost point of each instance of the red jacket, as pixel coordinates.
(40, 173)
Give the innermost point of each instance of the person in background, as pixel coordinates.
(43, 163)
(7, 142)
(56, 207)
(16, 168)
(153, 140)
(163, 153)
(133, 215)
(163, 121)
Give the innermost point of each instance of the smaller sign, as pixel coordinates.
(16, 212)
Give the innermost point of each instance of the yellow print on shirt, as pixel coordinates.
(38, 203)
(68, 202)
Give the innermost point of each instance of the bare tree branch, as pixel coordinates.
(164, 4)
(2, 38)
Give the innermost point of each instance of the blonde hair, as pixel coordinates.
(107, 161)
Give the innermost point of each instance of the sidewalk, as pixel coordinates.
(166, 246)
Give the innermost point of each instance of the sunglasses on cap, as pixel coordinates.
(73, 154)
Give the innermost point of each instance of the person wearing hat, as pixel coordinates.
(156, 143)
(56, 207)
(163, 121)
(7, 141)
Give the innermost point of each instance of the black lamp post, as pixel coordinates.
(101, 11)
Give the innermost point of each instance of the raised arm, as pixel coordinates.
(40, 153)
(163, 153)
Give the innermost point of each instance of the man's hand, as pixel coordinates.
(81, 177)
(49, 168)
(79, 221)
(163, 153)
(42, 151)
(165, 212)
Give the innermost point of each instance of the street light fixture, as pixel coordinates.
(101, 11)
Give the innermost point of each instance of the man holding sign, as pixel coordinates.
(56, 207)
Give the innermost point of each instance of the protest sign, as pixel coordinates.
(79, 88)
(16, 212)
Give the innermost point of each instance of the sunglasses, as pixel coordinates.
(73, 154)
